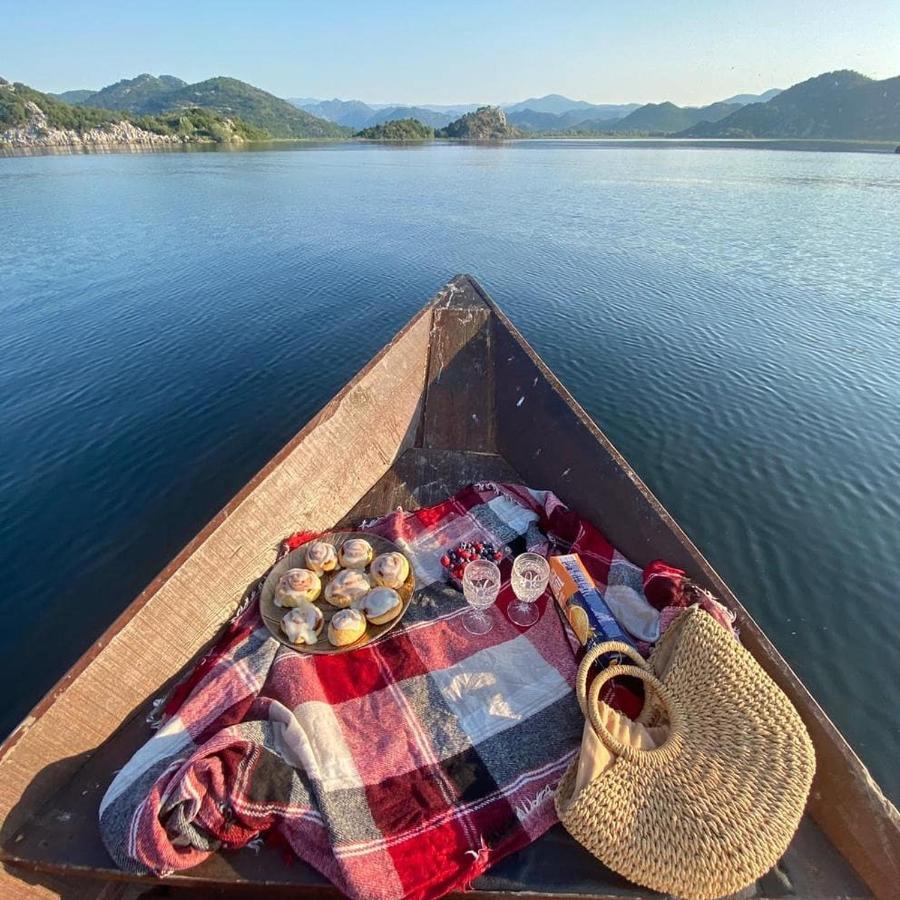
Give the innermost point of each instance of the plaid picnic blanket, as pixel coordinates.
(403, 769)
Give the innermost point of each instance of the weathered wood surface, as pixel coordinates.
(185, 606)
(55, 768)
(423, 477)
(459, 399)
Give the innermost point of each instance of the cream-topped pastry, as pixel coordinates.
(380, 605)
(355, 553)
(297, 585)
(320, 557)
(346, 626)
(303, 624)
(390, 569)
(346, 587)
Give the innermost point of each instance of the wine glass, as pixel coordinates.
(530, 574)
(481, 584)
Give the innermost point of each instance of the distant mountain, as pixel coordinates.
(350, 113)
(569, 112)
(667, 118)
(228, 97)
(424, 115)
(487, 123)
(597, 113)
(73, 97)
(398, 130)
(135, 94)
(341, 111)
(744, 99)
(534, 120)
(454, 109)
(574, 119)
(837, 105)
(356, 114)
(652, 118)
(550, 103)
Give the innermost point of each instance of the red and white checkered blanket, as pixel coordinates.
(402, 769)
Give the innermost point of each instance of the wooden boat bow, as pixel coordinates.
(456, 396)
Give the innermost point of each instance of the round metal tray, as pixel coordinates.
(272, 614)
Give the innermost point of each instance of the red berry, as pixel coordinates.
(479, 547)
(498, 555)
(445, 561)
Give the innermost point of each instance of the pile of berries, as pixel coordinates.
(455, 561)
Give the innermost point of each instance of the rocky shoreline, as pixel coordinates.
(38, 133)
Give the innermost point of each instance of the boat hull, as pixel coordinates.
(457, 396)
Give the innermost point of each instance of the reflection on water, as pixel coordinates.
(527, 144)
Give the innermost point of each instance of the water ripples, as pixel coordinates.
(729, 317)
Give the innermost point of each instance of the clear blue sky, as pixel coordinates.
(693, 51)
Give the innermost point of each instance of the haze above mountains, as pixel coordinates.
(841, 104)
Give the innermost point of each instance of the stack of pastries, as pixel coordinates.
(360, 597)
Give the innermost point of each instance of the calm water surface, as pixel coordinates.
(730, 317)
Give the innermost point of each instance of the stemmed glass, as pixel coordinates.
(530, 574)
(481, 584)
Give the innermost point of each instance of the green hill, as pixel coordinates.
(838, 105)
(225, 96)
(665, 118)
(18, 102)
(134, 94)
(488, 123)
(398, 130)
(73, 97)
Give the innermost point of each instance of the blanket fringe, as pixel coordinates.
(480, 861)
(529, 806)
(155, 716)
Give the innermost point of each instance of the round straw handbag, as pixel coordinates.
(715, 805)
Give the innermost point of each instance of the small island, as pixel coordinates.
(397, 130)
(488, 123)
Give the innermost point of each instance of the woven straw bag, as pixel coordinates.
(714, 806)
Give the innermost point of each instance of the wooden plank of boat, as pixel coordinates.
(457, 396)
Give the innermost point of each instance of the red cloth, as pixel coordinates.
(401, 769)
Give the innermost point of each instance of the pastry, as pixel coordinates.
(346, 627)
(390, 570)
(320, 557)
(380, 605)
(303, 624)
(295, 586)
(355, 553)
(346, 587)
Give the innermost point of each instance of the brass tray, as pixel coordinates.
(272, 614)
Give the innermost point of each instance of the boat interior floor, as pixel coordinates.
(64, 831)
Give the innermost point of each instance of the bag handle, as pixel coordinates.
(657, 755)
(592, 656)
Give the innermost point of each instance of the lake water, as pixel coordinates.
(730, 317)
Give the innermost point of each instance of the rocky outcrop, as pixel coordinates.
(36, 132)
(488, 123)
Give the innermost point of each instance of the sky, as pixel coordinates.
(454, 51)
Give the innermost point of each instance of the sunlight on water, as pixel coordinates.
(729, 317)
